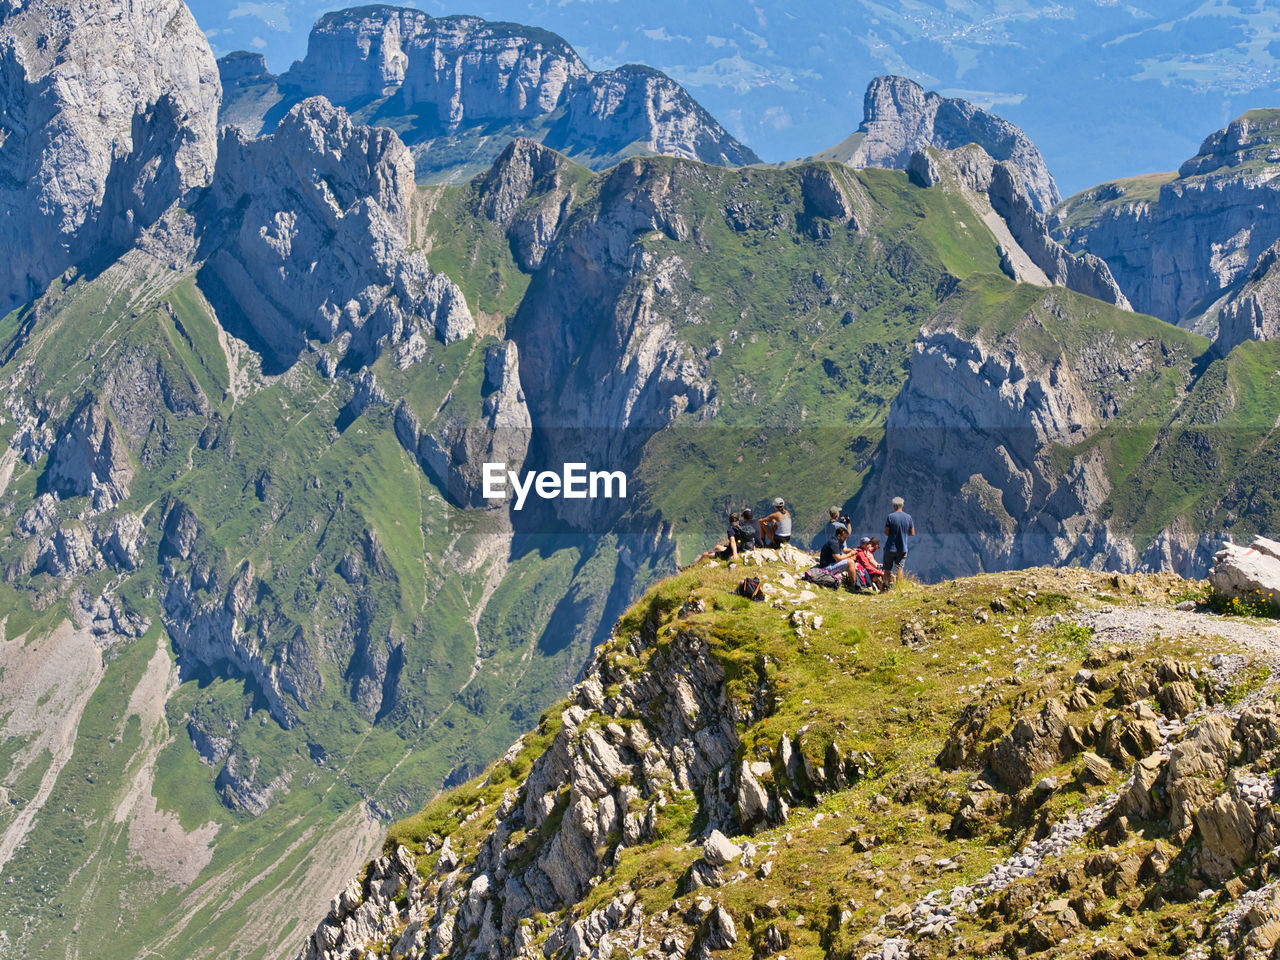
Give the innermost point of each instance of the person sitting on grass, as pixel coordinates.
(729, 549)
(747, 532)
(866, 560)
(834, 558)
(775, 529)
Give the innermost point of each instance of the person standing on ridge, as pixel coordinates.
(897, 528)
(775, 529)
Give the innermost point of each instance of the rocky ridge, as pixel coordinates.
(1182, 246)
(1094, 770)
(1028, 253)
(900, 118)
(460, 79)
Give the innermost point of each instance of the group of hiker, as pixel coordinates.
(837, 560)
(746, 532)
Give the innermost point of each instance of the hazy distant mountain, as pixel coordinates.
(1145, 78)
(459, 89)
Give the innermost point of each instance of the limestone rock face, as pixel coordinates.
(639, 105)
(461, 80)
(89, 458)
(464, 68)
(901, 118)
(311, 238)
(121, 541)
(526, 169)
(109, 117)
(1178, 247)
(457, 447)
(601, 363)
(971, 428)
(1029, 253)
(1253, 312)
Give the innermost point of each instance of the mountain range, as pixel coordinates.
(262, 331)
(1105, 89)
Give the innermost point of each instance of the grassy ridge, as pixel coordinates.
(888, 678)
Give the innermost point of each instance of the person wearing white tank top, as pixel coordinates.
(775, 529)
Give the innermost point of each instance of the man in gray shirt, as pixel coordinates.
(897, 529)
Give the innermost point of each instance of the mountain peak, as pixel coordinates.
(1246, 141)
(901, 117)
(96, 162)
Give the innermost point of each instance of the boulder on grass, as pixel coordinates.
(1251, 572)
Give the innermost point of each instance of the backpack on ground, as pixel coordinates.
(751, 588)
(859, 579)
(821, 578)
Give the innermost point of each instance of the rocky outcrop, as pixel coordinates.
(452, 80)
(242, 67)
(110, 116)
(218, 631)
(618, 760)
(68, 553)
(969, 442)
(1179, 246)
(635, 109)
(1028, 253)
(1253, 312)
(241, 786)
(310, 239)
(525, 171)
(601, 364)
(463, 69)
(454, 447)
(89, 458)
(900, 119)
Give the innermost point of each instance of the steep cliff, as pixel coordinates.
(1005, 434)
(1252, 312)
(900, 119)
(109, 117)
(309, 238)
(1179, 244)
(1028, 253)
(458, 89)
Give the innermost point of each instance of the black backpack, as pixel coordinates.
(751, 589)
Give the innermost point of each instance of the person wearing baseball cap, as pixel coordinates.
(834, 556)
(775, 529)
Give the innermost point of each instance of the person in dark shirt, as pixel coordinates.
(729, 549)
(748, 532)
(897, 529)
(834, 557)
